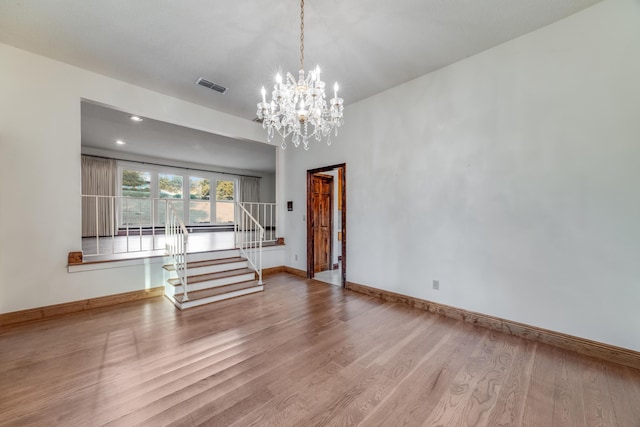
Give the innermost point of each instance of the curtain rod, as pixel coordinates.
(169, 166)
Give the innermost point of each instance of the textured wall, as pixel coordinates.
(511, 176)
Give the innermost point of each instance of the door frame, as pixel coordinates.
(343, 201)
(331, 181)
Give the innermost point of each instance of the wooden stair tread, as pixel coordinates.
(211, 276)
(207, 263)
(211, 292)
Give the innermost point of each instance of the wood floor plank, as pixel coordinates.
(325, 404)
(596, 396)
(301, 353)
(473, 391)
(568, 405)
(539, 403)
(624, 390)
(509, 407)
(287, 391)
(425, 356)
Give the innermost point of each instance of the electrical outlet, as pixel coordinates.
(436, 285)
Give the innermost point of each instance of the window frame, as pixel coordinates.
(187, 174)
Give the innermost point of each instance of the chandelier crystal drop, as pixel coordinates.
(299, 107)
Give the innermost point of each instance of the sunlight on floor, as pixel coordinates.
(329, 276)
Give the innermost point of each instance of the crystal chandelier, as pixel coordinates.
(298, 108)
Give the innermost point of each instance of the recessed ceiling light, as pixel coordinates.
(120, 142)
(136, 118)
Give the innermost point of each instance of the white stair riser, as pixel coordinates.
(215, 282)
(207, 256)
(194, 271)
(233, 294)
(169, 290)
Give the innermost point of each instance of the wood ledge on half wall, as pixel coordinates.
(584, 346)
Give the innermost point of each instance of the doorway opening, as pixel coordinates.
(327, 224)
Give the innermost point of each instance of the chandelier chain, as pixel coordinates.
(302, 34)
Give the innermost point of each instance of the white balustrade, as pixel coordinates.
(176, 240)
(249, 236)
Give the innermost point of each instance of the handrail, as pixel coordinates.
(265, 215)
(249, 235)
(176, 240)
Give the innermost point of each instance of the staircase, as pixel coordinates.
(212, 276)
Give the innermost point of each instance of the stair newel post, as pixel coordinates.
(97, 228)
(113, 224)
(260, 257)
(235, 224)
(185, 242)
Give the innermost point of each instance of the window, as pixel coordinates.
(136, 183)
(147, 189)
(199, 201)
(225, 191)
(169, 187)
(136, 203)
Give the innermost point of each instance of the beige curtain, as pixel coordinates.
(249, 189)
(98, 179)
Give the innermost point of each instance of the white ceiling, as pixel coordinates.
(102, 126)
(366, 45)
(165, 45)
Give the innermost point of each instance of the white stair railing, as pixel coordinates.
(176, 240)
(265, 215)
(249, 235)
(123, 224)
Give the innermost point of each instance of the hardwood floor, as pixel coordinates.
(301, 353)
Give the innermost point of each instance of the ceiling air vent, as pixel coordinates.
(210, 85)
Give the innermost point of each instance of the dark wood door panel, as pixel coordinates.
(322, 221)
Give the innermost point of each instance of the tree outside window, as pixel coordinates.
(224, 202)
(170, 186)
(136, 186)
(199, 204)
(136, 183)
(224, 190)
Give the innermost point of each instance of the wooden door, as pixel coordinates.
(322, 197)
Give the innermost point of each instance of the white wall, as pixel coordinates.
(513, 177)
(40, 174)
(267, 187)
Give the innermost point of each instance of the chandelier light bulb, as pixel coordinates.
(302, 112)
(300, 109)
